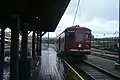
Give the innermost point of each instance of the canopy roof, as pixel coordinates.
(39, 14)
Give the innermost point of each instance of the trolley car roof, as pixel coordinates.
(39, 14)
(77, 27)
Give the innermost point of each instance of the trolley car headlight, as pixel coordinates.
(79, 45)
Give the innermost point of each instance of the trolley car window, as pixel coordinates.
(79, 37)
(82, 37)
(86, 37)
(71, 34)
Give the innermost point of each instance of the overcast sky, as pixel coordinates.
(101, 16)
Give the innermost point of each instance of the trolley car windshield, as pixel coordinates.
(79, 37)
(71, 34)
(82, 37)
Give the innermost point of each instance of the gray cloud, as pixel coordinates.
(101, 16)
(107, 9)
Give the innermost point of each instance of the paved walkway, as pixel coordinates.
(52, 68)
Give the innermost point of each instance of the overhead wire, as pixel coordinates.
(76, 12)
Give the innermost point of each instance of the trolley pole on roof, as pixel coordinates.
(76, 12)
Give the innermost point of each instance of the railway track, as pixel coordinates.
(103, 55)
(74, 75)
(88, 71)
(105, 51)
(95, 73)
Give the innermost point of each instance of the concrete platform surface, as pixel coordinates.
(52, 68)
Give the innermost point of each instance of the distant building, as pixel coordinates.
(8, 37)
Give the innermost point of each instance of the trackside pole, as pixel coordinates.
(2, 53)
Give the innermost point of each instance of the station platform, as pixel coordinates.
(52, 68)
(103, 63)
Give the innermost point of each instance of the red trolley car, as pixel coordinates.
(74, 41)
